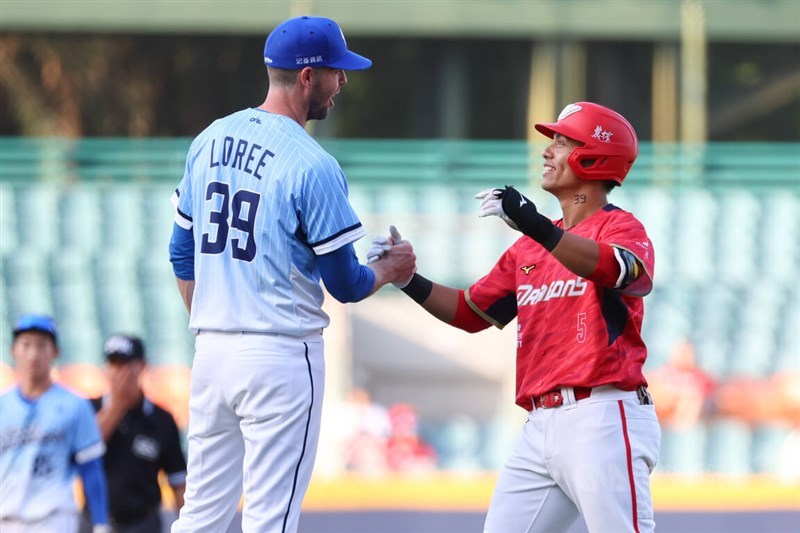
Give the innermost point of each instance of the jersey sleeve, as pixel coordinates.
(182, 197)
(87, 444)
(627, 233)
(494, 296)
(326, 216)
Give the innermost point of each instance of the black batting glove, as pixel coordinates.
(527, 218)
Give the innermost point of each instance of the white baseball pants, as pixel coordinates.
(591, 458)
(58, 522)
(254, 421)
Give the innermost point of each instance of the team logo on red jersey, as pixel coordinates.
(527, 269)
(530, 295)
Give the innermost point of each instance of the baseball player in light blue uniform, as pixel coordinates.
(262, 216)
(47, 435)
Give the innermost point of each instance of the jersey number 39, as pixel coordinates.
(244, 205)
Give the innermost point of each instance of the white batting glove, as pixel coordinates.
(492, 205)
(380, 245)
(101, 528)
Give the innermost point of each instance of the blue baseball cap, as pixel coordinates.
(32, 322)
(310, 42)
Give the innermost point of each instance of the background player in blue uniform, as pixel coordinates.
(46, 435)
(262, 216)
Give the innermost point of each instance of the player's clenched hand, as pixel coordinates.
(397, 265)
(125, 390)
(381, 245)
(492, 205)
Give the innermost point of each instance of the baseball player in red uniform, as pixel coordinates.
(575, 286)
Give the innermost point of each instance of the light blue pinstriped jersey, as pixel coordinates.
(40, 444)
(262, 199)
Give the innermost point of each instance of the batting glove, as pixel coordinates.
(523, 213)
(101, 528)
(380, 245)
(492, 205)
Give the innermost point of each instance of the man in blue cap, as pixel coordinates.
(262, 215)
(47, 434)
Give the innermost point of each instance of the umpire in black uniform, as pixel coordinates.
(141, 440)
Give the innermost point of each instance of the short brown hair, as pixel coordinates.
(282, 77)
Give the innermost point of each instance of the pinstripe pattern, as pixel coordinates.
(292, 204)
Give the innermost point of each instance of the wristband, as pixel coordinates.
(419, 288)
(527, 218)
(550, 236)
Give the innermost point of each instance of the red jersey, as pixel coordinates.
(571, 332)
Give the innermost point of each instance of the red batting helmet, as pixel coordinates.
(609, 141)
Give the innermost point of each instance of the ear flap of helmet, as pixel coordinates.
(590, 163)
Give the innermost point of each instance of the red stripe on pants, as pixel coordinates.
(630, 464)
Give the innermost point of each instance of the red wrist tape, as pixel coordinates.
(466, 318)
(607, 271)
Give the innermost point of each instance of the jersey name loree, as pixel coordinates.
(530, 295)
(242, 157)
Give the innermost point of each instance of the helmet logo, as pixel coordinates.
(601, 135)
(567, 111)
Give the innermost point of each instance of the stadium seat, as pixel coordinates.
(693, 245)
(736, 241)
(729, 448)
(118, 292)
(768, 440)
(72, 285)
(714, 323)
(79, 342)
(8, 222)
(123, 218)
(667, 320)
(753, 342)
(682, 450)
(37, 216)
(779, 236)
(27, 283)
(159, 216)
(655, 208)
(80, 218)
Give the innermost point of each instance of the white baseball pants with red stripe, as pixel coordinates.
(591, 458)
(254, 420)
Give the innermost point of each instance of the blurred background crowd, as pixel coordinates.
(99, 101)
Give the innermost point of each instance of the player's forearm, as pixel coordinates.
(438, 300)
(186, 289)
(108, 418)
(578, 254)
(178, 491)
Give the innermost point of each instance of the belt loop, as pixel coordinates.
(568, 393)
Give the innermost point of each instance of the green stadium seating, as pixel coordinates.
(729, 448)
(85, 226)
